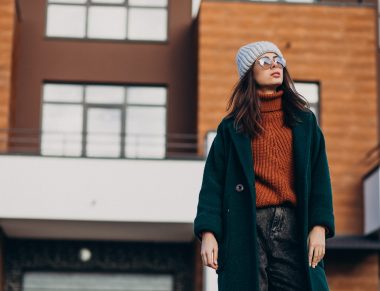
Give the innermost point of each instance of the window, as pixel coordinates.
(311, 92)
(103, 120)
(108, 19)
(210, 136)
(78, 281)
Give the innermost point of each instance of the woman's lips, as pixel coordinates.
(275, 75)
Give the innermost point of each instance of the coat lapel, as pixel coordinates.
(242, 146)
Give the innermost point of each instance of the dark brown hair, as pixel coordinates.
(244, 103)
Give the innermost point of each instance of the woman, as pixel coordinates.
(269, 235)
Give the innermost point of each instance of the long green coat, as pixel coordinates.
(227, 201)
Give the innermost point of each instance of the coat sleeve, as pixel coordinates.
(209, 209)
(321, 203)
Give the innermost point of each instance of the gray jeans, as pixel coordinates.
(280, 257)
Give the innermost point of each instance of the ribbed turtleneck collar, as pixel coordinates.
(270, 101)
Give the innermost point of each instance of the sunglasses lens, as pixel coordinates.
(281, 61)
(266, 62)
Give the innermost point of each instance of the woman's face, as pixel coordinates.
(265, 78)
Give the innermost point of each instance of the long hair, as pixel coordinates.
(245, 104)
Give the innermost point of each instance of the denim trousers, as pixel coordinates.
(279, 249)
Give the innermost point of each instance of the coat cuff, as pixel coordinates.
(321, 216)
(208, 224)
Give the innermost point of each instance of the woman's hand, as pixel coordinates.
(316, 244)
(209, 250)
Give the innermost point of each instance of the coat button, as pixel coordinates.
(239, 187)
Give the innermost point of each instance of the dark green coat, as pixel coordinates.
(231, 213)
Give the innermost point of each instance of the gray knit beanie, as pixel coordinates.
(248, 53)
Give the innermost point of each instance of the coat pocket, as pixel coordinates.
(221, 258)
(223, 245)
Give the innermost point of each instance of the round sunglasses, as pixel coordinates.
(266, 62)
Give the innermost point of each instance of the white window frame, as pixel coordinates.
(123, 105)
(310, 90)
(157, 35)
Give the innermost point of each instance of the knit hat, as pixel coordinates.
(248, 54)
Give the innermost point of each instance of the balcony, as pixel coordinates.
(65, 197)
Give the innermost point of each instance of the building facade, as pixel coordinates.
(106, 118)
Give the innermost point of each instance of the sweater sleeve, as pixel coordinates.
(209, 209)
(320, 203)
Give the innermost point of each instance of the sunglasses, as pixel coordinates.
(266, 62)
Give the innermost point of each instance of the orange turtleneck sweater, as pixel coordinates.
(273, 155)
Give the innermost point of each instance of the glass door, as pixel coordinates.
(103, 128)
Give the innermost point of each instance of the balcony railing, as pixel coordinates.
(101, 144)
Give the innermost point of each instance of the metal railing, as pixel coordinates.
(101, 144)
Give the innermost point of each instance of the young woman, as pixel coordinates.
(265, 205)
